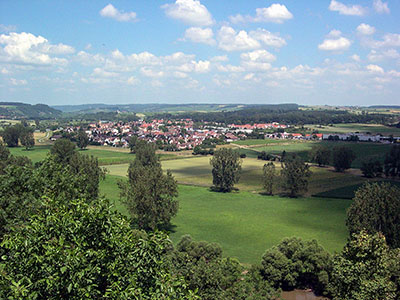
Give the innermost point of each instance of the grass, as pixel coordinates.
(355, 127)
(197, 171)
(105, 155)
(348, 192)
(245, 224)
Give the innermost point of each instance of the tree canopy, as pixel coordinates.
(226, 166)
(342, 158)
(376, 208)
(295, 174)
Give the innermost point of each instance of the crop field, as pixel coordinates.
(362, 128)
(245, 224)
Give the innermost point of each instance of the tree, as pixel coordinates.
(11, 135)
(26, 137)
(295, 174)
(132, 143)
(63, 150)
(4, 155)
(74, 250)
(342, 158)
(269, 177)
(320, 155)
(392, 162)
(226, 167)
(371, 168)
(376, 208)
(149, 193)
(363, 271)
(82, 139)
(295, 263)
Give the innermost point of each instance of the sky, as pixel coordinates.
(60, 52)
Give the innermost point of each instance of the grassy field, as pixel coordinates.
(345, 128)
(197, 171)
(362, 150)
(105, 155)
(245, 224)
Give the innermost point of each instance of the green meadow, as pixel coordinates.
(245, 224)
(105, 155)
(355, 127)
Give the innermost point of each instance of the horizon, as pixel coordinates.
(334, 53)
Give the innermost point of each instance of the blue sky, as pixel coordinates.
(188, 51)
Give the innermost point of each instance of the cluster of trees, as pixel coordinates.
(18, 133)
(341, 157)
(286, 114)
(19, 110)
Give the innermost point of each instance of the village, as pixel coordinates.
(184, 134)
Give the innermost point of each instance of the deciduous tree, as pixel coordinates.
(269, 177)
(320, 155)
(150, 195)
(376, 208)
(226, 166)
(295, 174)
(342, 158)
(26, 137)
(82, 139)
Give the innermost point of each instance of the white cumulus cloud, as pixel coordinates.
(267, 38)
(230, 40)
(258, 55)
(200, 35)
(335, 44)
(30, 49)
(191, 12)
(365, 29)
(350, 10)
(375, 69)
(381, 7)
(109, 11)
(276, 13)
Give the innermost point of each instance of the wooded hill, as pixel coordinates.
(17, 110)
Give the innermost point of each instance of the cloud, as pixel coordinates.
(335, 33)
(110, 11)
(267, 38)
(349, 10)
(381, 7)
(27, 48)
(339, 44)
(191, 12)
(389, 40)
(365, 29)
(390, 54)
(259, 56)
(98, 72)
(17, 82)
(7, 28)
(375, 69)
(200, 35)
(151, 73)
(276, 13)
(230, 40)
(356, 57)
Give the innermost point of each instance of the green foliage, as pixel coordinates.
(376, 208)
(214, 277)
(294, 263)
(82, 139)
(4, 155)
(363, 271)
(226, 167)
(320, 155)
(295, 174)
(149, 193)
(371, 168)
(342, 158)
(75, 250)
(392, 162)
(132, 143)
(26, 138)
(11, 135)
(63, 150)
(269, 177)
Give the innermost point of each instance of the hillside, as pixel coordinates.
(17, 110)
